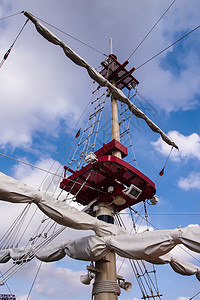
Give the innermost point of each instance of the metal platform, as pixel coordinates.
(122, 77)
(108, 179)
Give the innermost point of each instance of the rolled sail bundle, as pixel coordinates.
(54, 251)
(150, 246)
(18, 255)
(93, 249)
(90, 249)
(178, 265)
(22, 254)
(159, 242)
(142, 246)
(14, 191)
(4, 256)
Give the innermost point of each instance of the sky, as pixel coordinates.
(43, 95)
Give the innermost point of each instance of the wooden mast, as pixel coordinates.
(106, 275)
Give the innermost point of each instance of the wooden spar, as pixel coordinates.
(107, 267)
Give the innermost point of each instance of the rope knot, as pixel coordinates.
(107, 242)
(176, 236)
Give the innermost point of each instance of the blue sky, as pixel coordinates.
(43, 95)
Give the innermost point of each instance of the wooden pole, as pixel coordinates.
(107, 266)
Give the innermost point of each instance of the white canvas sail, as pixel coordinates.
(79, 249)
(14, 191)
(147, 245)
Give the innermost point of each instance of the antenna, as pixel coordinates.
(111, 50)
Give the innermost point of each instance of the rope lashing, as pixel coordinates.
(107, 286)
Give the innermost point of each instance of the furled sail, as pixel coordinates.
(141, 246)
(117, 93)
(147, 245)
(78, 249)
(53, 252)
(4, 255)
(12, 190)
(18, 255)
(50, 253)
(179, 266)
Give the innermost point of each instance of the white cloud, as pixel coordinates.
(60, 283)
(35, 101)
(23, 297)
(192, 181)
(39, 86)
(37, 178)
(46, 177)
(168, 90)
(182, 298)
(189, 146)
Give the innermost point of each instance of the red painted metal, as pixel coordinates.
(110, 147)
(122, 77)
(94, 180)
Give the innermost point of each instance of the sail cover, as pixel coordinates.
(151, 246)
(14, 191)
(178, 265)
(96, 76)
(147, 245)
(78, 249)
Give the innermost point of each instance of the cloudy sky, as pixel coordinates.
(43, 95)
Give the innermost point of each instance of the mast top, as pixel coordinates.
(118, 72)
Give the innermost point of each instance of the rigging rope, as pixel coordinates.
(1, 275)
(151, 29)
(142, 275)
(173, 214)
(194, 296)
(167, 47)
(36, 275)
(3, 18)
(26, 258)
(38, 234)
(9, 50)
(41, 169)
(126, 128)
(154, 113)
(59, 154)
(140, 214)
(162, 171)
(12, 231)
(71, 36)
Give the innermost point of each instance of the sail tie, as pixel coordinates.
(107, 242)
(176, 234)
(37, 197)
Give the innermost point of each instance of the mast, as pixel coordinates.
(119, 185)
(114, 112)
(106, 278)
